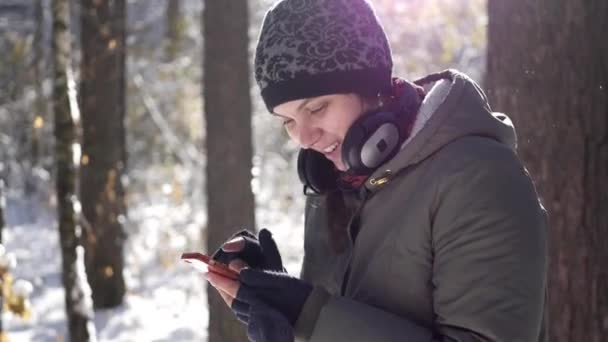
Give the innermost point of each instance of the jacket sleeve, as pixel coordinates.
(326, 318)
(489, 270)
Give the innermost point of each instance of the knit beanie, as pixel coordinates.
(310, 48)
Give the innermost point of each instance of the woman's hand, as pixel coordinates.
(264, 323)
(278, 290)
(268, 302)
(226, 287)
(244, 249)
(259, 252)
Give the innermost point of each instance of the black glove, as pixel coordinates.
(266, 324)
(277, 291)
(259, 252)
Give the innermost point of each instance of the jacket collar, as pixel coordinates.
(463, 111)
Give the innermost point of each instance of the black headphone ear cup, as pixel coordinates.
(316, 172)
(371, 140)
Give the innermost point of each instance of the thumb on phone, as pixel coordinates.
(235, 245)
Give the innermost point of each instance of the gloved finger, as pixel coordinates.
(222, 256)
(240, 308)
(243, 319)
(225, 257)
(252, 249)
(229, 286)
(246, 295)
(243, 232)
(252, 295)
(251, 253)
(259, 279)
(237, 265)
(270, 250)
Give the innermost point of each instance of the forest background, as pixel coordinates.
(133, 130)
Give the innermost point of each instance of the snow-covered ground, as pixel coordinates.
(166, 299)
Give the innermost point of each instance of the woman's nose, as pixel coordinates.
(307, 136)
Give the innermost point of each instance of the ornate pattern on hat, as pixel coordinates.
(340, 41)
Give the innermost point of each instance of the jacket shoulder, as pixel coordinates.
(471, 149)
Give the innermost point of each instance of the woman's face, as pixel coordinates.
(320, 123)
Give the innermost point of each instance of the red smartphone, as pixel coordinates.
(204, 263)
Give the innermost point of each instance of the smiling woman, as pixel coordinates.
(421, 223)
(321, 123)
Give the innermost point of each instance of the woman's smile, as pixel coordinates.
(331, 148)
(334, 153)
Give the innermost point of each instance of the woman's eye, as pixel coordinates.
(318, 110)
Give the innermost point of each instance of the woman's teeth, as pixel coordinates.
(331, 148)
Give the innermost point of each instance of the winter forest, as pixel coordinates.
(132, 131)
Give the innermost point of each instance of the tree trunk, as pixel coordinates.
(548, 69)
(2, 210)
(2, 205)
(65, 130)
(104, 155)
(39, 76)
(175, 28)
(227, 106)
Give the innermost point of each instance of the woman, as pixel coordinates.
(421, 223)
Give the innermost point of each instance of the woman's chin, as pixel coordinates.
(339, 165)
(336, 158)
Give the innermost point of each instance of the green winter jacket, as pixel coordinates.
(451, 243)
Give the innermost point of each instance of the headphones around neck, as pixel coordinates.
(373, 139)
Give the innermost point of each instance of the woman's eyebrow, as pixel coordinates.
(304, 103)
(299, 108)
(275, 114)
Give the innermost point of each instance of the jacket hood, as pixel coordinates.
(463, 111)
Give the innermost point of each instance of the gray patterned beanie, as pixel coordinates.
(311, 48)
